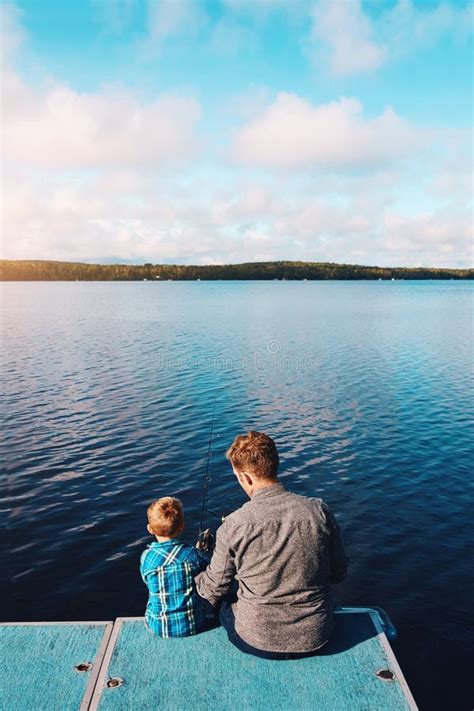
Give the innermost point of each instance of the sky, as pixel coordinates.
(228, 131)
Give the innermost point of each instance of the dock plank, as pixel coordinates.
(206, 672)
(38, 660)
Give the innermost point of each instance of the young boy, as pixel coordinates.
(168, 567)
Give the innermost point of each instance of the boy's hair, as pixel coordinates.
(165, 516)
(256, 453)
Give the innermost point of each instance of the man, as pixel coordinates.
(283, 550)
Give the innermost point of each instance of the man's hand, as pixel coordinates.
(205, 542)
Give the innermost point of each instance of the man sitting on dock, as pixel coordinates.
(283, 550)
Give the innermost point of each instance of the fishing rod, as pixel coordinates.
(207, 478)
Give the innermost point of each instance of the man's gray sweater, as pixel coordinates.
(284, 550)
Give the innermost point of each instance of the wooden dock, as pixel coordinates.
(121, 666)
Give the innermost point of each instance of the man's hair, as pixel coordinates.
(165, 516)
(256, 453)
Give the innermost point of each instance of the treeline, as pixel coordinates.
(39, 270)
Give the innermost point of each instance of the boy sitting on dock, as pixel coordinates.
(168, 567)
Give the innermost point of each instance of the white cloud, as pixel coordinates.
(245, 105)
(65, 129)
(168, 18)
(352, 42)
(292, 132)
(229, 37)
(450, 182)
(57, 127)
(447, 237)
(408, 29)
(12, 32)
(346, 35)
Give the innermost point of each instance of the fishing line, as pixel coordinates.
(207, 478)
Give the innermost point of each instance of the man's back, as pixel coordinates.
(284, 550)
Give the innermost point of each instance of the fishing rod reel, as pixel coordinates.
(206, 541)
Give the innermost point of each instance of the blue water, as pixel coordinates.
(365, 386)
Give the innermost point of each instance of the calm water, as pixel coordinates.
(366, 387)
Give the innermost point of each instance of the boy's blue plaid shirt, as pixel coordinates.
(168, 569)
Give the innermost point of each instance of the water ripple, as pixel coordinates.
(109, 391)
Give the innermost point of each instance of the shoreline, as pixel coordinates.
(44, 270)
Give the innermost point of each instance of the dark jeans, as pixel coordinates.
(227, 620)
(210, 615)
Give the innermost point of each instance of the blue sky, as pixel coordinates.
(226, 130)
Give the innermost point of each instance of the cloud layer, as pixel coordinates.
(129, 217)
(269, 174)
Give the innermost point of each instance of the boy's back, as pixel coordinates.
(168, 568)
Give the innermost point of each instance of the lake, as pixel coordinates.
(366, 387)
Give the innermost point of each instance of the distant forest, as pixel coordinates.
(39, 270)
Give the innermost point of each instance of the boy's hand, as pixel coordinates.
(205, 542)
